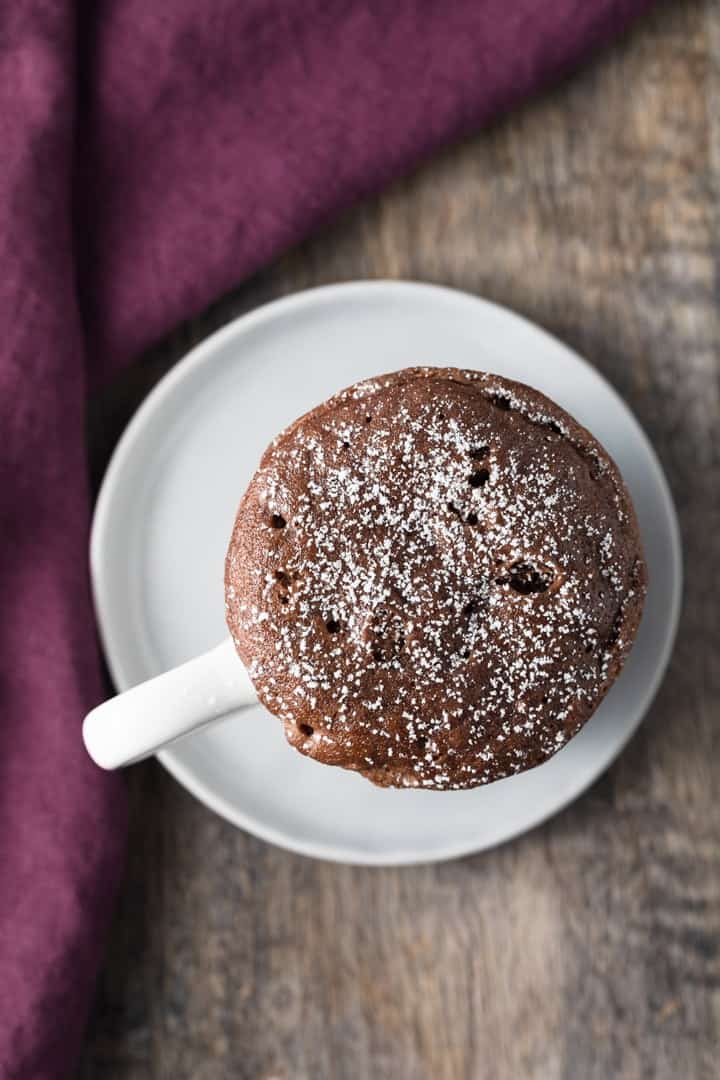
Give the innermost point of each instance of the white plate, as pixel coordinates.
(165, 512)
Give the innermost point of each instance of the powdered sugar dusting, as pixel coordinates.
(448, 595)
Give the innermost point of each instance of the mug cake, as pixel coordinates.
(434, 578)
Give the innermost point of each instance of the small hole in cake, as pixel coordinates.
(307, 730)
(465, 653)
(472, 518)
(377, 656)
(470, 608)
(420, 742)
(332, 626)
(283, 599)
(278, 521)
(501, 402)
(346, 444)
(552, 426)
(523, 578)
(441, 416)
(479, 478)
(479, 452)
(280, 575)
(588, 648)
(368, 418)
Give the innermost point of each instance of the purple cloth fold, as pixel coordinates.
(151, 156)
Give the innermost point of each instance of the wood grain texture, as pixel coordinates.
(588, 949)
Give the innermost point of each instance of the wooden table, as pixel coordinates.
(588, 949)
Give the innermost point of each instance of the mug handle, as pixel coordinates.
(141, 721)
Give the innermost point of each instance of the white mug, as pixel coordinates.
(141, 721)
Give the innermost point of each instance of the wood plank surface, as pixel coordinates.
(588, 949)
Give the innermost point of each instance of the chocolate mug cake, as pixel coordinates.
(434, 578)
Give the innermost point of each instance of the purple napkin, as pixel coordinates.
(151, 156)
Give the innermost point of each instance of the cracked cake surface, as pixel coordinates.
(433, 578)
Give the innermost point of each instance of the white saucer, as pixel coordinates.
(165, 512)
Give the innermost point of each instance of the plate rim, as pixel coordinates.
(202, 354)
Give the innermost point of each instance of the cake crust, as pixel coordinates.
(434, 578)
